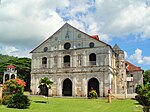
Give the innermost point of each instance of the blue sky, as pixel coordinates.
(24, 24)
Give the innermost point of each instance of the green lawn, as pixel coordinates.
(39, 104)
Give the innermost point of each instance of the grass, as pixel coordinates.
(39, 104)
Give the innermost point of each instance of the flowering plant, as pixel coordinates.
(14, 86)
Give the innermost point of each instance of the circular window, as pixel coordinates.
(45, 49)
(67, 45)
(91, 44)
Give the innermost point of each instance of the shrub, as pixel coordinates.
(14, 86)
(143, 96)
(93, 94)
(19, 101)
(139, 89)
(5, 99)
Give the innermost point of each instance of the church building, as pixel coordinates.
(77, 62)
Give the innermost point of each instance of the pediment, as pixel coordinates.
(68, 34)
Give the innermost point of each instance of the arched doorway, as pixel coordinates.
(93, 83)
(12, 76)
(67, 87)
(6, 77)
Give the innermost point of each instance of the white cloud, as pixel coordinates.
(126, 55)
(138, 58)
(123, 17)
(22, 22)
(146, 59)
(8, 50)
(26, 23)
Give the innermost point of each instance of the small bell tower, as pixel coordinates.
(9, 73)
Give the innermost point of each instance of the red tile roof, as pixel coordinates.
(10, 66)
(95, 37)
(131, 68)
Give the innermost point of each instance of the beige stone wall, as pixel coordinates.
(137, 79)
(79, 83)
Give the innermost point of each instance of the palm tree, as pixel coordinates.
(45, 84)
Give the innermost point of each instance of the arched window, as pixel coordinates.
(67, 61)
(13, 76)
(44, 62)
(6, 77)
(92, 59)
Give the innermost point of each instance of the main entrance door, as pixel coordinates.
(93, 84)
(67, 87)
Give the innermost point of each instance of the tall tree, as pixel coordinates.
(146, 77)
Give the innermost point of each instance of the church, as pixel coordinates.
(77, 62)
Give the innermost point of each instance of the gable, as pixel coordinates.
(68, 34)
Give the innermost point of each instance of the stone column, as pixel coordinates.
(115, 85)
(10, 75)
(35, 62)
(84, 87)
(37, 84)
(110, 76)
(1, 88)
(84, 60)
(59, 61)
(38, 64)
(51, 61)
(106, 83)
(32, 64)
(59, 90)
(33, 83)
(101, 89)
(3, 78)
(74, 60)
(74, 90)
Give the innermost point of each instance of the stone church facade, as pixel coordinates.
(77, 62)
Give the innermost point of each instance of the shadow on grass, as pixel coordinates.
(137, 103)
(40, 101)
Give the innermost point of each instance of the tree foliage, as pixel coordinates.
(146, 77)
(23, 67)
(143, 96)
(46, 81)
(45, 84)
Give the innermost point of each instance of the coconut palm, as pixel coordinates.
(45, 84)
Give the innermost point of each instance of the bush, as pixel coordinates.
(143, 100)
(0, 101)
(14, 86)
(19, 101)
(143, 96)
(92, 94)
(5, 99)
(139, 89)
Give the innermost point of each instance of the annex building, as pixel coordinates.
(77, 62)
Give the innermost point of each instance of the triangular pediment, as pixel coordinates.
(68, 34)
